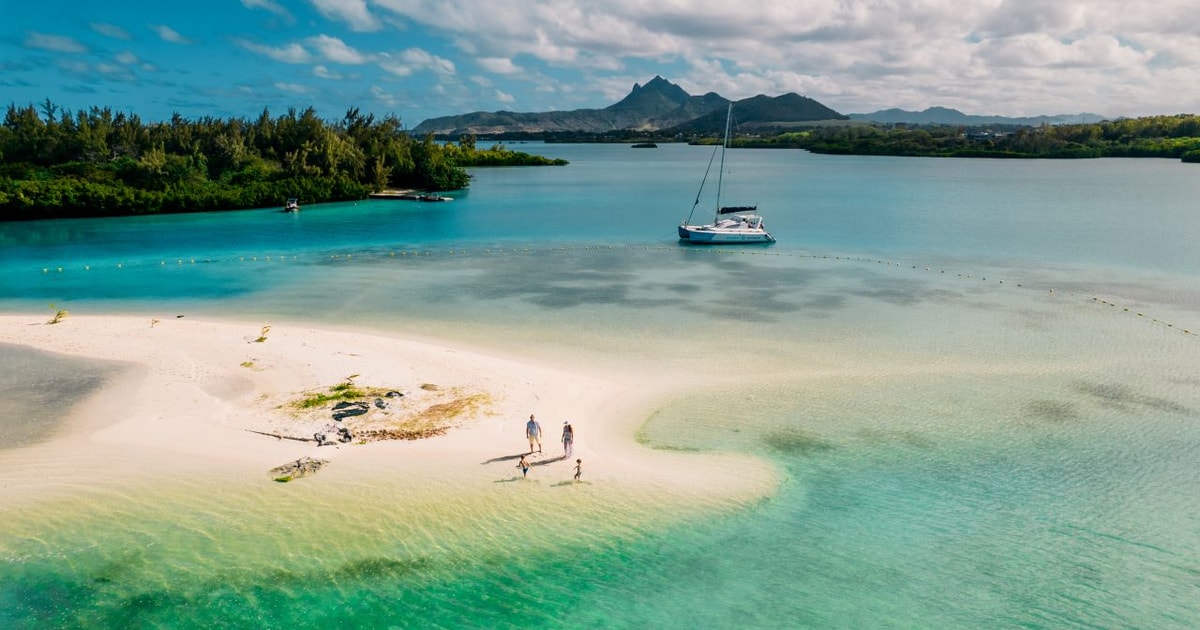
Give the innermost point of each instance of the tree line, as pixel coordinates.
(1175, 137)
(101, 162)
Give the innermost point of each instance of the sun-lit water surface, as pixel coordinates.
(975, 378)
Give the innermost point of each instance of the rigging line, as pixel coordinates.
(705, 179)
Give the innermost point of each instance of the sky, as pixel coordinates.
(419, 59)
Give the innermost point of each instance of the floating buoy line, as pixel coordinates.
(425, 253)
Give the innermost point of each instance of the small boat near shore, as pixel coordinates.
(292, 205)
(731, 224)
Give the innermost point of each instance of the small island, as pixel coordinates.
(99, 162)
(645, 145)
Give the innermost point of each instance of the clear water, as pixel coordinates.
(975, 378)
(39, 388)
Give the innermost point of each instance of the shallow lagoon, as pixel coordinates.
(975, 378)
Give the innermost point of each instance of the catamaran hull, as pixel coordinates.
(710, 236)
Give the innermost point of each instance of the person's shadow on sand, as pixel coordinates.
(502, 458)
(512, 479)
(509, 458)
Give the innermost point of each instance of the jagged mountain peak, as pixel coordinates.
(657, 97)
(656, 105)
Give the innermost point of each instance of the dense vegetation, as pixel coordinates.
(104, 163)
(1155, 136)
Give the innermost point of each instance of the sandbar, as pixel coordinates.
(193, 397)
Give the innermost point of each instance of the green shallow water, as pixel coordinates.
(943, 499)
(975, 380)
(1032, 516)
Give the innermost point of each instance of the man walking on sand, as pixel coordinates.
(533, 431)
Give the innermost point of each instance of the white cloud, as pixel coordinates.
(56, 43)
(382, 96)
(1178, 49)
(91, 73)
(1037, 50)
(292, 53)
(118, 73)
(412, 60)
(396, 68)
(498, 65)
(995, 54)
(269, 5)
(295, 88)
(324, 73)
(335, 50)
(168, 34)
(352, 12)
(72, 66)
(110, 30)
(1010, 57)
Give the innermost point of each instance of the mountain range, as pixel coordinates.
(657, 106)
(947, 116)
(665, 108)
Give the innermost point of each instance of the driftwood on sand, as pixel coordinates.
(280, 436)
(330, 435)
(302, 467)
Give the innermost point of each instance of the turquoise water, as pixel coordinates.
(975, 378)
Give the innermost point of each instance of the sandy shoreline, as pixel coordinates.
(195, 388)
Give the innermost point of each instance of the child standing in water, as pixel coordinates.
(578, 468)
(524, 466)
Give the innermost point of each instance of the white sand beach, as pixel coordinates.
(193, 393)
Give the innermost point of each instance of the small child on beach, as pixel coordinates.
(524, 466)
(578, 468)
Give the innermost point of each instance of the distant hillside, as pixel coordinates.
(764, 113)
(947, 116)
(659, 105)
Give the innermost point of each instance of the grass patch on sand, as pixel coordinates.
(337, 393)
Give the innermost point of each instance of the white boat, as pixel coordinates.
(292, 205)
(731, 224)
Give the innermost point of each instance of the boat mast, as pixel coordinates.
(707, 170)
(721, 173)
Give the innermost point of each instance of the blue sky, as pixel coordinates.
(425, 58)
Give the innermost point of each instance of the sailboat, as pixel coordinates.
(732, 224)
